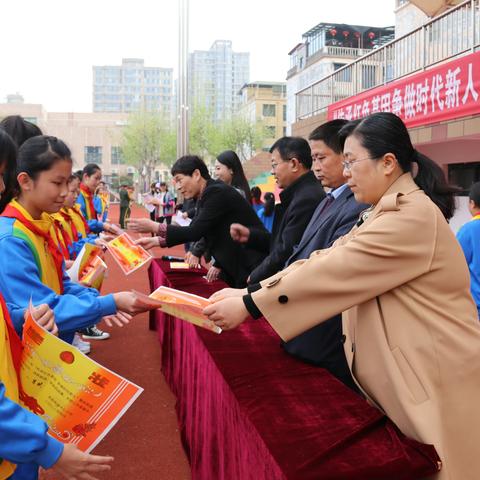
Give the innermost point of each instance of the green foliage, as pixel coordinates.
(148, 140)
(208, 139)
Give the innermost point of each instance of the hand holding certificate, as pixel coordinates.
(79, 399)
(130, 257)
(88, 268)
(179, 304)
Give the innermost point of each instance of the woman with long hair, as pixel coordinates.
(412, 336)
(228, 169)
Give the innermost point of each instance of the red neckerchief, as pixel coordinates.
(59, 230)
(71, 224)
(16, 346)
(12, 212)
(80, 214)
(87, 194)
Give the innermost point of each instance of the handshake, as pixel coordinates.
(145, 225)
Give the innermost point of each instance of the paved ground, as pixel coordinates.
(145, 442)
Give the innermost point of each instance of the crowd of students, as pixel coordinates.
(43, 226)
(376, 249)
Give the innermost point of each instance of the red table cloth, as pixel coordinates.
(247, 410)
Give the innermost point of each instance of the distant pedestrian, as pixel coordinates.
(469, 238)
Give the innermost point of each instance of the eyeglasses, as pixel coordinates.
(347, 164)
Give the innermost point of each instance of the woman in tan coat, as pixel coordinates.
(411, 326)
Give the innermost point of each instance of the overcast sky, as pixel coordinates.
(49, 46)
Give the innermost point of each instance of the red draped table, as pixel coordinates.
(247, 410)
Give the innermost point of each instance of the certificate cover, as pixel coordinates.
(130, 257)
(88, 269)
(79, 399)
(179, 304)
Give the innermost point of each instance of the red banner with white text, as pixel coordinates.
(446, 92)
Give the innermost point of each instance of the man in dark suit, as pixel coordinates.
(218, 206)
(291, 166)
(335, 216)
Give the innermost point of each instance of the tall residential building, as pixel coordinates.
(131, 87)
(216, 76)
(265, 103)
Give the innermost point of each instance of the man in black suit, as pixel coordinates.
(335, 216)
(291, 164)
(218, 206)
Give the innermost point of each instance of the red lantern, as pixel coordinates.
(357, 34)
(333, 32)
(346, 33)
(371, 35)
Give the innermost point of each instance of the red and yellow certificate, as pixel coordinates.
(79, 399)
(186, 306)
(129, 256)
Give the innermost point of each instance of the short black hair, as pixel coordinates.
(294, 147)
(328, 133)
(188, 164)
(474, 194)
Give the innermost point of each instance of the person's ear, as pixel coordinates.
(295, 164)
(389, 163)
(24, 181)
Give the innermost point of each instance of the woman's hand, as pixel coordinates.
(75, 464)
(228, 313)
(228, 293)
(45, 317)
(147, 242)
(142, 225)
(212, 274)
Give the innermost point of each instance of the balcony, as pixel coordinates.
(450, 35)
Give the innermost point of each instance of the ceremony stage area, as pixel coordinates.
(247, 410)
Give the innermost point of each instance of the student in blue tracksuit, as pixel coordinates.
(24, 441)
(469, 238)
(91, 178)
(32, 266)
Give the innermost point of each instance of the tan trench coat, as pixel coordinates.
(413, 336)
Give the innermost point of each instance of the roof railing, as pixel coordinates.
(454, 33)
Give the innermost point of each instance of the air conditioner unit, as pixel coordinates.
(114, 171)
(130, 169)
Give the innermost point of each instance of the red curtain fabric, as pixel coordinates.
(247, 410)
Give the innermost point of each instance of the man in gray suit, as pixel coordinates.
(335, 216)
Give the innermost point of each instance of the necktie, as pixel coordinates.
(328, 201)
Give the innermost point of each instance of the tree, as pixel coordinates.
(243, 136)
(148, 139)
(209, 138)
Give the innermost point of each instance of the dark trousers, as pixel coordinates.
(124, 214)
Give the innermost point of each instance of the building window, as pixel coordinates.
(270, 131)
(464, 175)
(117, 156)
(268, 110)
(344, 75)
(93, 154)
(284, 113)
(369, 73)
